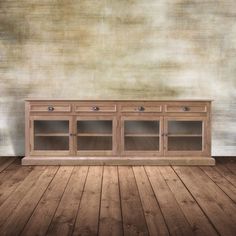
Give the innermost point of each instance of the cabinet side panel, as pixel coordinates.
(27, 129)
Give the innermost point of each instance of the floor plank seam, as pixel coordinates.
(77, 212)
(14, 158)
(218, 184)
(17, 185)
(59, 201)
(38, 201)
(99, 212)
(208, 218)
(157, 200)
(121, 212)
(225, 176)
(140, 199)
(176, 200)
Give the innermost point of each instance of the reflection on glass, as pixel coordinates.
(141, 135)
(184, 143)
(94, 126)
(51, 143)
(94, 143)
(141, 127)
(185, 127)
(141, 143)
(49, 126)
(94, 135)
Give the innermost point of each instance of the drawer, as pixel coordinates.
(141, 108)
(95, 107)
(183, 108)
(50, 107)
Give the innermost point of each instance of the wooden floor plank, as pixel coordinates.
(11, 203)
(24, 208)
(115, 200)
(41, 218)
(110, 222)
(5, 162)
(134, 222)
(217, 206)
(11, 178)
(229, 162)
(174, 217)
(88, 214)
(65, 216)
(154, 218)
(222, 182)
(193, 213)
(227, 173)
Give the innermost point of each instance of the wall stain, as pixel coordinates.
(117, 49)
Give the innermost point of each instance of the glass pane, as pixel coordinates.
(184, 143)
(51, 143)
(51, 126)
(141, 127)
(185, 127)
(94, 126)
(141, 143)
(94, 143)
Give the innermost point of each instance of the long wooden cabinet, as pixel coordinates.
(117, 132)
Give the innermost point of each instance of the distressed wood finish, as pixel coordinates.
(111, 200)
(116, 146)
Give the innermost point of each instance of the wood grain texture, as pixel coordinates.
(154, 218)
(219, 208)
(17, 209)
(175, 219)
(110, 222)
(65, 216)
(45, 210)
(117, 200)
(88, 213)
(134, 222)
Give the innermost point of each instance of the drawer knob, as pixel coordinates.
(95, 108)
(141, 108)
(50, 108)
(186, 109)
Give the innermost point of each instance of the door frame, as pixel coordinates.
(144, 153)
(182, 153)
(94, 153)
(50, 152)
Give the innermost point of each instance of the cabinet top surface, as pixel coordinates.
(117, 100)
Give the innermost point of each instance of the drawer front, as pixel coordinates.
(185, 108)
(50, 108)
(95, 107)
(141, 108)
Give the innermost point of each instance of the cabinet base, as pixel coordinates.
(190, 161)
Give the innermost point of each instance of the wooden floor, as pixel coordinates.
(110, 200)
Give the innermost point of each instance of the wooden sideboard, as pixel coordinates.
(117, 132)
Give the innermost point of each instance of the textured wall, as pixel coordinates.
(117, 49)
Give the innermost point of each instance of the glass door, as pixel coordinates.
(141, 135)
(185, 136)
(96, 135)
(51, 135)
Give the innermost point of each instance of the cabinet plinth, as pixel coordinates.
(117, 132)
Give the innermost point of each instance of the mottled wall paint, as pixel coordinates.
(117, 49)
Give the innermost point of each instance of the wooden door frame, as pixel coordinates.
(144, 117)
(182, 153)
(97, 117)
(51, 152)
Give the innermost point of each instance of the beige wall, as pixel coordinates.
(117, 49)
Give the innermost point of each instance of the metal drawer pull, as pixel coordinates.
(186, 108)
(141, 108)
(95, 108)
(50, 108)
